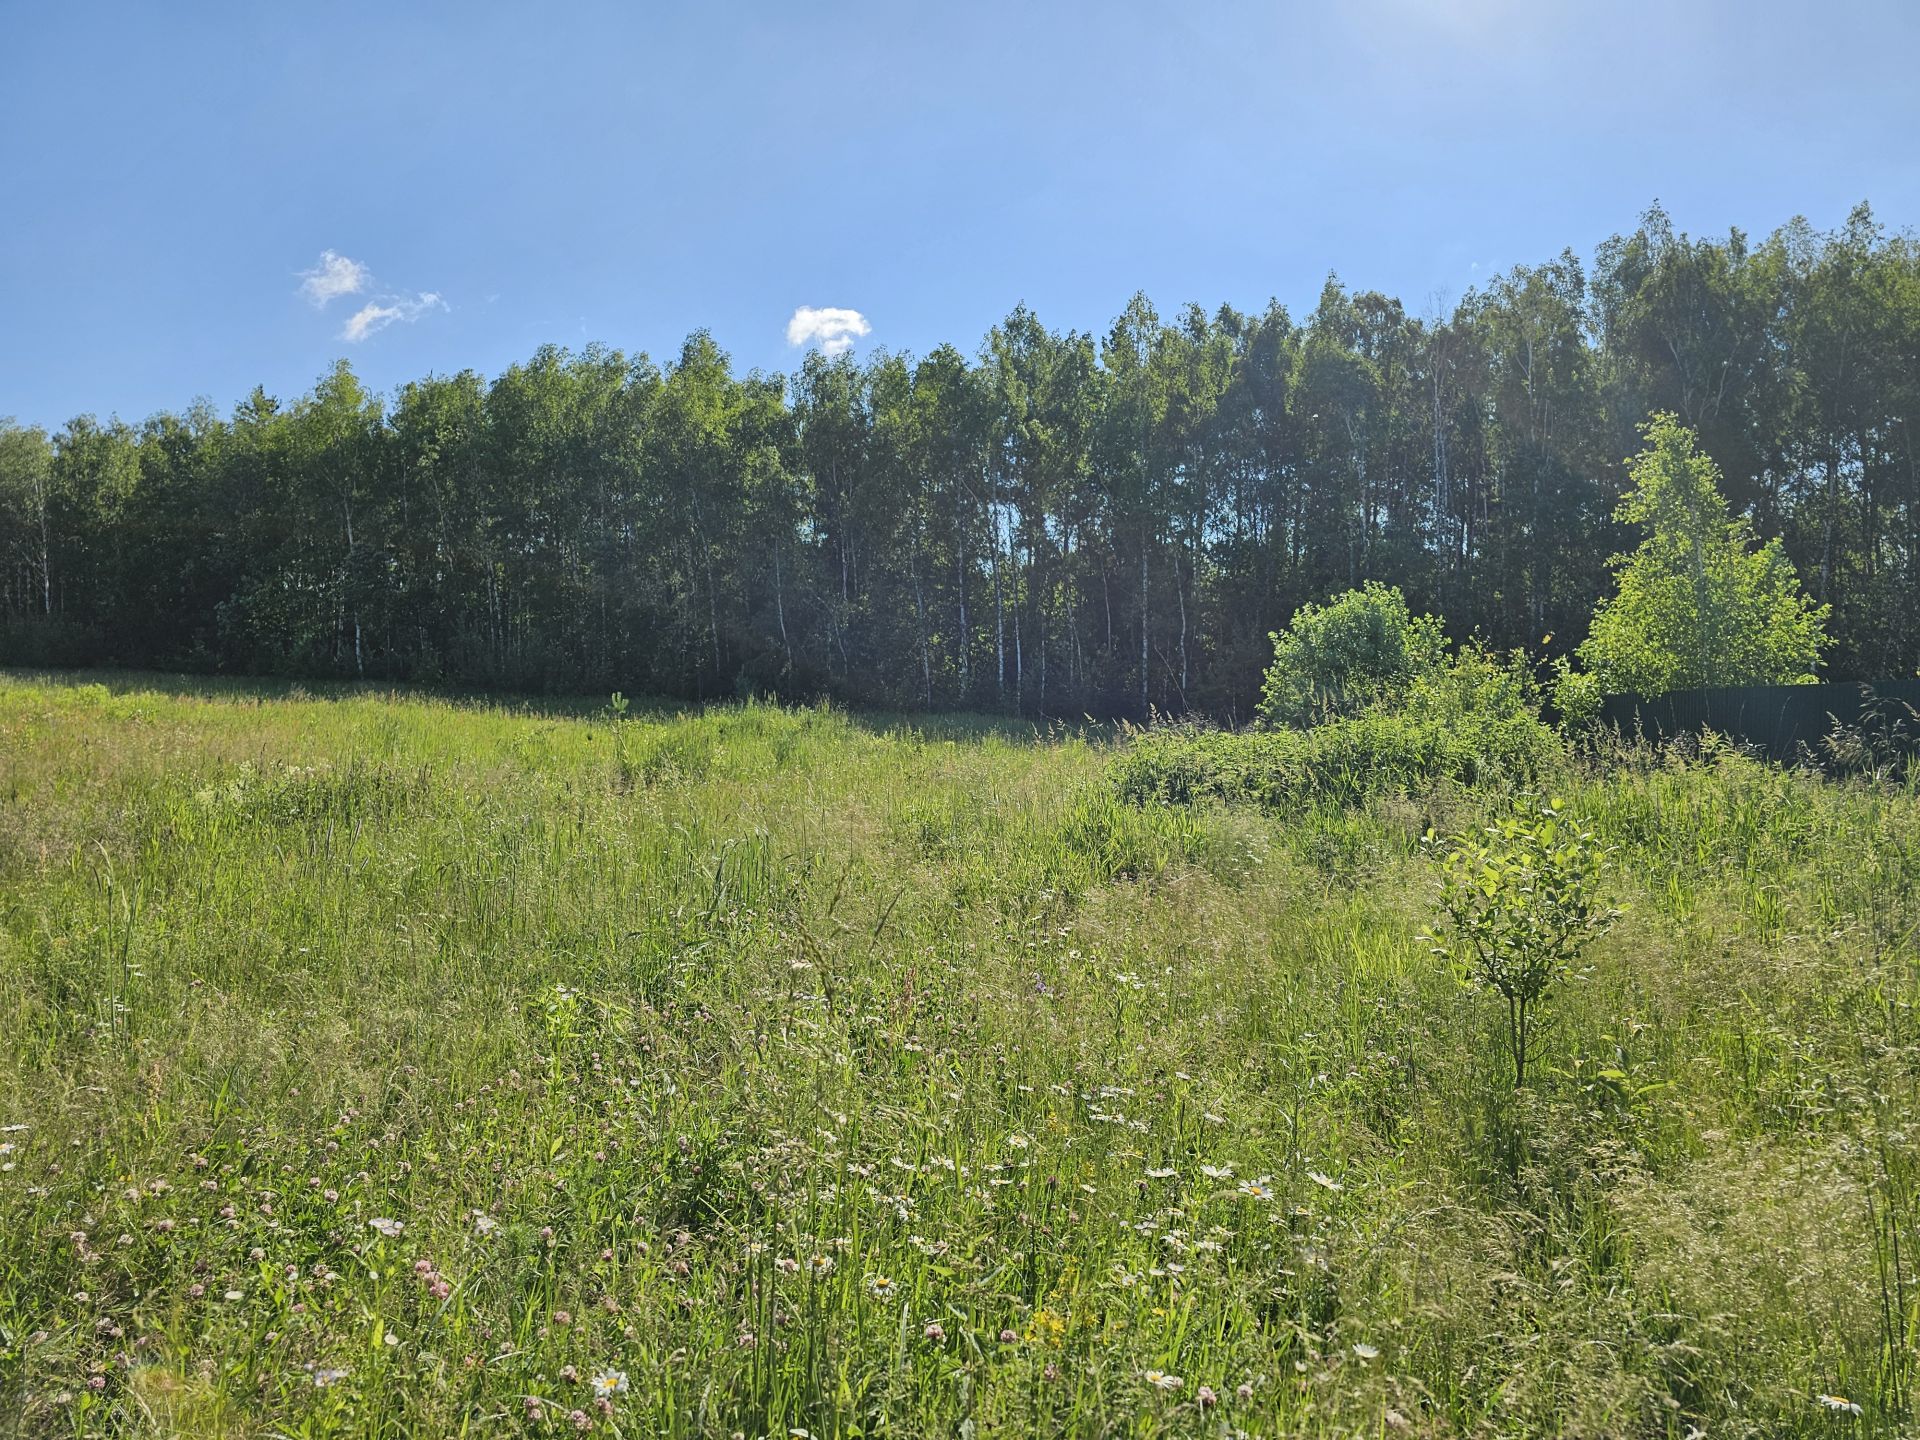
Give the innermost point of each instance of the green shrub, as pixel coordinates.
(1339, 658)
(1576, 695)
(1344, 761)
(1472, 720)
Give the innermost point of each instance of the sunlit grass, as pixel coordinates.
(394, 1066)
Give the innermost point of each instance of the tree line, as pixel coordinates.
(1060, 523)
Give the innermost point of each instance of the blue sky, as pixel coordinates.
(491, 177)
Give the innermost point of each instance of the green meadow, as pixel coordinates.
(382, 1065)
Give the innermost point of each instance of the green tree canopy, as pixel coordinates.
(1699, 603)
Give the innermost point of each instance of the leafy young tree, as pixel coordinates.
(1698, 604)
(1522, 901)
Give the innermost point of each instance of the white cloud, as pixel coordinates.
(371, 319)
(832, 328)
(336, 275)
(333, 277)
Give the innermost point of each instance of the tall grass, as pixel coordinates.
(792, 1071)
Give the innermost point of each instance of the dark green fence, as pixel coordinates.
(1783, 721)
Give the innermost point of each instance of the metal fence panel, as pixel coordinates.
(1780, 720)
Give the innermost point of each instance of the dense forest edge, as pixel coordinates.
(1063, 524)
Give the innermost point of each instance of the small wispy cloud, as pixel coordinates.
(372, 318)
(833, 328)
(336, 275)
(333, 277)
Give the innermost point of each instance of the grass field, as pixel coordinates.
(385, 1066)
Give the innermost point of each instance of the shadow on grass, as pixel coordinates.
(241, 689)
(908, 725)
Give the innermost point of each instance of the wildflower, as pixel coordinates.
(1366, 1351)
(1162, 1172)
(881, 1287)
(569, 1374)
(1217, 1172)
(1256, 1189)
(1325, 1182)
(1243, 1391)
(323, 1378)
(581, 1420)
(936, 1332)
(236, 1295)
(1007, 1337)
(787, 1264)
(389, 1228)
(484, 1224)
(1018, 1141)
(1160, 1380)
(820, 1265)
(1206, 1396)
(1839, 1404)
(610, 1382)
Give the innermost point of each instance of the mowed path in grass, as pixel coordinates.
(382, 1065)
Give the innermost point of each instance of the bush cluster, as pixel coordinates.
(1340, 658)
(1382, 751)
(1396, 715)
